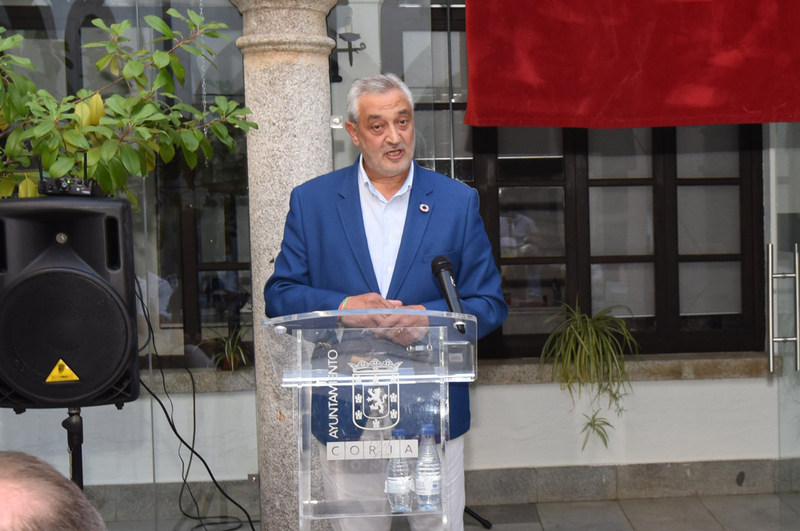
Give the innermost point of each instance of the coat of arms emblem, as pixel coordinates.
(376, 394)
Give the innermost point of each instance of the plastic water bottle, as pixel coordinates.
(428, 475)
(400, 479)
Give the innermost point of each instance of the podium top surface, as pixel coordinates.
(411, 346)
(318, 320)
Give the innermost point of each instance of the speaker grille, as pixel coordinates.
(63, 315)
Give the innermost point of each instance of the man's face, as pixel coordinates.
(385, 134)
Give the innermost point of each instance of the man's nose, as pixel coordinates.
(392, 135)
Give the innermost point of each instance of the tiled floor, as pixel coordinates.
(759, 512)
(762, 512)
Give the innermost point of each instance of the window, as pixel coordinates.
(665, 224)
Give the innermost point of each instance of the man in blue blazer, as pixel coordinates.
(365, 236)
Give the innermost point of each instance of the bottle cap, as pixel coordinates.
(427, 429)
(399, 432)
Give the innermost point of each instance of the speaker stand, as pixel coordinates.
(74, 426)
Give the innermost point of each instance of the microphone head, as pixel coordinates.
(441, 263)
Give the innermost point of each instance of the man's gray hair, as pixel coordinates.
(41, 498)
(379, 84)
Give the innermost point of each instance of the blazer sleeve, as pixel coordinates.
(288, 291)
(477, 278)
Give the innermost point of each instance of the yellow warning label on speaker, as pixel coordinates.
(62, 373)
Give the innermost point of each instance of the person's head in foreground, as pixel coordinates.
(34, 496)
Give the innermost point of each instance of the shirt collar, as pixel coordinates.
(364, 179)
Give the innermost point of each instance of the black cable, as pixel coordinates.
(208, 469)
(186, 469)
(171, 415)
(171, 422)
(145, 312)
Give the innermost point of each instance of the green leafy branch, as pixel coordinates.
(112, 138)
(596, 425)
(589, 352)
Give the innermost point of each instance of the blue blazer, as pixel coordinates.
(324, 256)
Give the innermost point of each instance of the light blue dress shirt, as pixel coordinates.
(384, 221)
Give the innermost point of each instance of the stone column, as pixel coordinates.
(287, 88)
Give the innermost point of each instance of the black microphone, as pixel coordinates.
(443, 271)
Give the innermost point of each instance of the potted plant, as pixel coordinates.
(588, 352)
(108, 139)
(227, 353)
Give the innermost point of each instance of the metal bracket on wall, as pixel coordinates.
(771, 310)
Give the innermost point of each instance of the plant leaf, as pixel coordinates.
(100, 24)
(190, 141)
(175, 13)
(7, 185)
(28, 188)
(164, 79)
(118, 173)
(159, 25)
(14, 144)
(130, 160)
(104, 61)
(73, 137)
(193, 50)
(166, 151)
(61, 166)
(103, 178)
(161, 58)
(196, 19)
(177, 68)
(190, 156)
(132, 69)
(208, 151)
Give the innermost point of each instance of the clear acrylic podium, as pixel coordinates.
(355, 382)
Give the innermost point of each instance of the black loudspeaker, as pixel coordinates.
(67, 303)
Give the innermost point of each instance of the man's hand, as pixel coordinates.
(362, 302)
(404, 329)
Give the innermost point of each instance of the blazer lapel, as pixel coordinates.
(414, 229)
(353, 224)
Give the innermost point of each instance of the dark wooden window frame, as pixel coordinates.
(668, 336)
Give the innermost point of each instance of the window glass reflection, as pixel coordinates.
(225, 298)
(710, 288)
(621, 220)
(708, 151)
(630, 287)
(620, 154)
(433, 143)
(49, 58)
(529, 142)
(708, 220)
(532, 221)
(423, 71)
(533, 294)
(426, 66)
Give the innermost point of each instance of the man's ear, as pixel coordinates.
(352, 129)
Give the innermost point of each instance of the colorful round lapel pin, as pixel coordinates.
(424, 208)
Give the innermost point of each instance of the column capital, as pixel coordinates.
(285, 25)
(314, 5)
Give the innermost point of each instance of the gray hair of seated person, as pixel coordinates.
(58, 504)
(380, 84)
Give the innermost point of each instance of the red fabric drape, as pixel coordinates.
(632, 63)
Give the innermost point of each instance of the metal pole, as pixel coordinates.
(796, 308)
(74, 426)
(770, 316)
